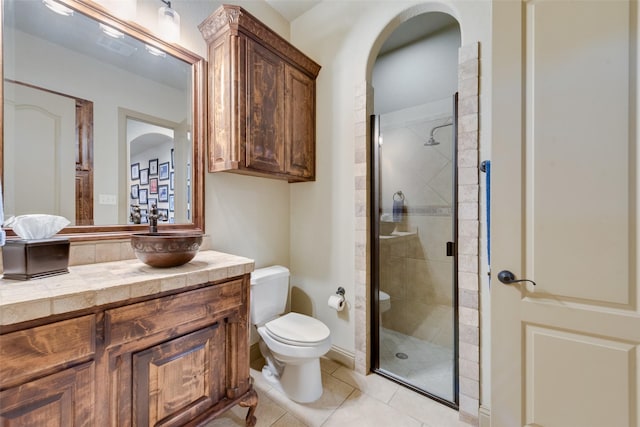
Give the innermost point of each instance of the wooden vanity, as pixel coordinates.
(124, 344)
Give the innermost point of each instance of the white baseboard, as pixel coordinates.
(485, 416)
(342, 356)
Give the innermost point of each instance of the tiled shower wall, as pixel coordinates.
(414, 268)
(468, 231)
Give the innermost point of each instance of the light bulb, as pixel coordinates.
(169, 24)
(58, 8)
(111, 32)
(154, 51)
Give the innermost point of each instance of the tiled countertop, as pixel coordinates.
(92, 285)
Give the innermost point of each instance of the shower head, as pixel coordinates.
(431, 142)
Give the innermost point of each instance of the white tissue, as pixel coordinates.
(36, 226)
(336, 302)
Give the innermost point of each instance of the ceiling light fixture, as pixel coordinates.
(169, 22)
(58, 8)
(154, 51)
(111, 32)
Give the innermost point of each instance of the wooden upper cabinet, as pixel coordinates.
(265, 110)
(262, 99)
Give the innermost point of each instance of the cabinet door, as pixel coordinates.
(264, 110)
(223, 152)
(300, 113)
(64, 399)
(175, 381)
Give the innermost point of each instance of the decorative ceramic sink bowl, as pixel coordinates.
(168, 249)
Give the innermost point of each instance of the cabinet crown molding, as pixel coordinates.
(224, 16)
(236, 19)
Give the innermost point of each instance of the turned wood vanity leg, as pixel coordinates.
(250, 400)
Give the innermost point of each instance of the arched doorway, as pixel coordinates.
(413, 207)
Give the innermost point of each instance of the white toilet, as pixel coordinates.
(384, 301)
(291, 344)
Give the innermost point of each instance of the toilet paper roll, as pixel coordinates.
(336, 302)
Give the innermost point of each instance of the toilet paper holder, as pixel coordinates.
(340, 291)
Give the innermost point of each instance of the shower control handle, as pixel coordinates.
(508, 278)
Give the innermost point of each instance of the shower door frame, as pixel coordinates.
(374, 197)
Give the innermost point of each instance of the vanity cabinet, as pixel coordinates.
(47, 375)
(174, 360)
(262, 96)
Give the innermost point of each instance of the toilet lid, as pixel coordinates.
(296, 328)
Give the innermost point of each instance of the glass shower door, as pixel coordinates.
(414, 253)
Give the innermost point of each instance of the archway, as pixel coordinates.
(467, 224)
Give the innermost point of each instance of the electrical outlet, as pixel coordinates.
(107, 199)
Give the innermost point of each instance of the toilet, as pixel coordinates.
(291, 344)
(384, 301)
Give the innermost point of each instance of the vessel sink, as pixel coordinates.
(166, 249)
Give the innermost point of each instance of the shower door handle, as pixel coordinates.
(451, 248)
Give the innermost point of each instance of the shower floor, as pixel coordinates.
(427, 366)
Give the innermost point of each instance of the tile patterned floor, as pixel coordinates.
(349, 399)
(427, 366)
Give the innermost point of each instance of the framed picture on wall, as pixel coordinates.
(163, 214)
(153, 201)
(171, 203)
(164, 171)
(163, 193)
(135, 171)
(153, 167)
(142, 196)
(134, 191)
(172, 176)
(153, 186)
(144, 176)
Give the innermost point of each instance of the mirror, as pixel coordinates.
(92, 105)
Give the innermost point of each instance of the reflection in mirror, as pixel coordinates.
(42, 154)
(158, 159)
(85, 94)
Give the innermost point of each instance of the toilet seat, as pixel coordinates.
(298, 329)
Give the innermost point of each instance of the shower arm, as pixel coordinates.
(438, 127)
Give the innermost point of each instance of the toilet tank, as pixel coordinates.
(269, 291)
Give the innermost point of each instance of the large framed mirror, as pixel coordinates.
(100, 118)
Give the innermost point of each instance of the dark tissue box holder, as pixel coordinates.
(34, 259)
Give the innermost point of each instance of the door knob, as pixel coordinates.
(508, 278)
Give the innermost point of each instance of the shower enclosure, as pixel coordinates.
(414, 256)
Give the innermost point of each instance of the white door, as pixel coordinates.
(565, 213)
(39, 132)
